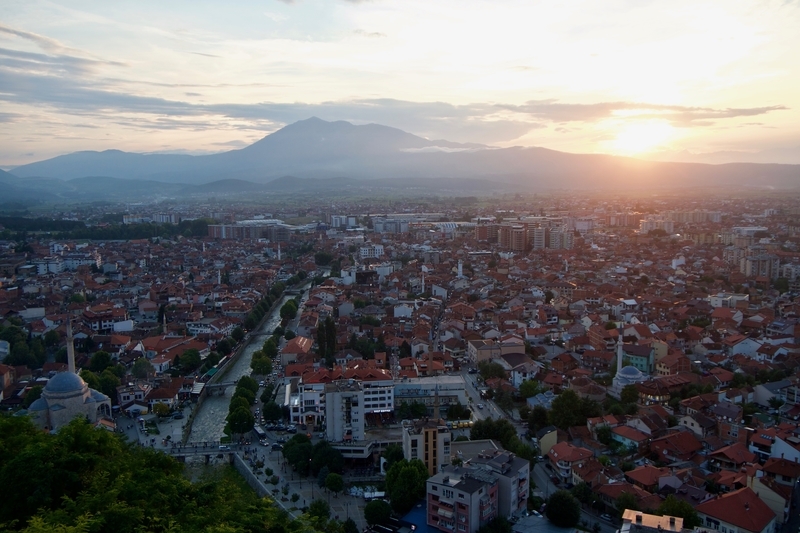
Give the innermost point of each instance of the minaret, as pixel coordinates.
(423, 282)
(279, 251)
(460, 269)
(219, 277)
(619, 353)
(70, 347)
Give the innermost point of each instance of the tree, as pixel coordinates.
(563, 509)
(270, 348)
(582, 492)
(141, 368)
(629, 394)
(334, 483)
(246, 382)
(51, 338)
(241, 421)
(99, 361)
(224, 347)
(272, 411)
(266, 394)
(237, 334)
(565, 410)
(108, 384)
(325, 455)
(289, 335)
(261, 364)
(392, 454)
(489, 370)
(349, 526)
(498, 524)
(405, 484)
(500, 429)
(626, 500)
(456, 411)
(330, 336)
(161, 409)
(529, 388)
(537, 419)
(605, 435)
(672, 506)
(323, 258)
(190, 360)
(319, 509)
(298, 453)
(34, 394)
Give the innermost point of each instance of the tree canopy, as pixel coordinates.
(86, 479)
(563, 509)
(405, 484)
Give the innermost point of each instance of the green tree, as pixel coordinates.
(272, 411)
(582, 492)
(108, 383)
(141, 368)
(496, 525)
(261, 364)
(456, 411)
(190, 360)
(405, 484)
(349, 526)
(298, 453)
(334, 483)
(224, 347)
(565, 410)
(51, 338)
(563, 509)
(266, 394)
(629, 394)
(529, 388)
(393, 453)
(34, 394)
(237, 334)
(161, 409)
(537, 419)
(319, 509)
(489, 370)
(246, 382)
(498, 429)
(241, 421)
(330, 336)
(672, 506)
(626, 500)
(289, 335)
(323, 454)
(270, 348)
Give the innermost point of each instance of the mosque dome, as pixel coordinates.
(40, 404)
(630, 372)
(64, 382)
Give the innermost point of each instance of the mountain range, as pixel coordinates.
(310, 152)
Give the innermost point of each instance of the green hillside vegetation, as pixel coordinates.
(89, 480)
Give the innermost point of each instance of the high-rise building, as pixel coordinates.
(461, 499)
(429, 441)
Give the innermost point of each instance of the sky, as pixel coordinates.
(707, 81)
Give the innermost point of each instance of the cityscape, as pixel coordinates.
(363, 267)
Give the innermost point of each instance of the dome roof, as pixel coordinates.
(630, 371)
(40, 404)
(65, 382)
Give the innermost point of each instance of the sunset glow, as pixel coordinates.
(201, 77)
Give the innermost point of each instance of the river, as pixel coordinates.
(209, 420)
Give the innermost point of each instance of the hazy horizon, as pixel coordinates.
(680, 81)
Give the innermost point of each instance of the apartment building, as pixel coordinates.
(461, 499)
(429, 441)
(344, 411)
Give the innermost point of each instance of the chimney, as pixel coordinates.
(672, 520)
(638, 518)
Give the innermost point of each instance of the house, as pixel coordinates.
(740, 511)
(631, 438)
(564, 455)
(678, 446)
(297, 348)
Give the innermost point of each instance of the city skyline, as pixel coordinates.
(708, 82)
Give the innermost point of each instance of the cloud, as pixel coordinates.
(203, 54)
(555, 111)
(371, 34)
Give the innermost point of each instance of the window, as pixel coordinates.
(448, 493)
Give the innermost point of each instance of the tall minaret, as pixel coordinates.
(279, 251)
(460, 269)
(70, 347)
(619, 353)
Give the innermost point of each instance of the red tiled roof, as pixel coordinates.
(742, 508)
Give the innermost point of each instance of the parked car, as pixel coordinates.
(606, 516)
(537, 514)
(277, 447)
(481, 406)
(224, 448)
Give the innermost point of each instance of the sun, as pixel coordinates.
(642, 137)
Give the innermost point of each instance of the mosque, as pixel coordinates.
(627, 375)
(67, 396)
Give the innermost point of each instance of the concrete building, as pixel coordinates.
(513, 473)
(461, 499)
(344, 411)
(429, 441)
(740, 511)
(433, 390)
